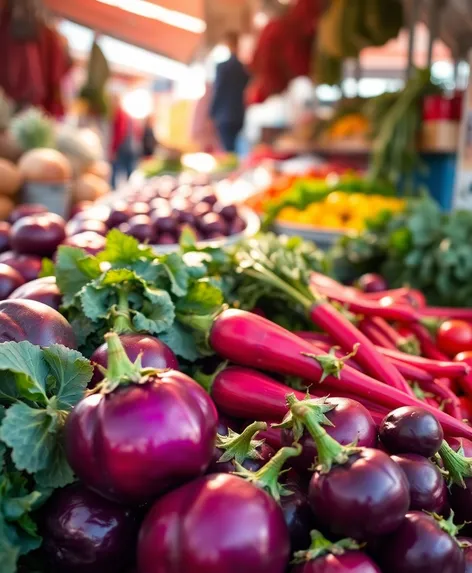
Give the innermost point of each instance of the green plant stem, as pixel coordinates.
(457, 466)
(122, 322)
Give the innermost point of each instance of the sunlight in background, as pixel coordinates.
(156, 12)
(138, 103)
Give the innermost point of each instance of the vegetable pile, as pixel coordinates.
(276, 419)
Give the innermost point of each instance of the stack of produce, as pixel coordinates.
(325, 201)
(183, 427)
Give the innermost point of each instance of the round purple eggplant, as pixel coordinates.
(411, 430)
(428, 491)
(418, 545)
(4, 236)
(326, 557)
(460, 500)
(29, 266)
(297, 513)
(153, 353)
(38, 234)
(85, 533)
(78, 226)
(350, 423)
(228, 212)
(242, 448)
(366, 496)
(141, 228)
(120, 213)
(211, 224)
(10, 280)
(166, 239)
(372, 282)
(466, 545)
(144, 433)
(43, 290)
(35, 322)
(25, 211)
(237, 226)
(224, 524)
(89, 241)
(139, 208)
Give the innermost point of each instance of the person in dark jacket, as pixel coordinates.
(149, 142)
(227, 108)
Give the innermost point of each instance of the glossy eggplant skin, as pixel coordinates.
(10, 279)
(466, 544)
(428, 491)
(363, 498)
(420, 546)
(43, 290)
(298, 514)
(348, 562)
(219, 523)
(34, 321)
(39, 234)
(85, 533)
(29, 266)
(460, 499)
(140, 440)
(411, 430)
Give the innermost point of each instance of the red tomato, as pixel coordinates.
(466, 381)
(454, 336)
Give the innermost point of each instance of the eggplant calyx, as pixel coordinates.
(409, 345)
(240, 447)
(267, 478)
(456, 464)
(206, 380)
(321, 546)
(331, 364)
(121, 370)
(309, 414)
(447, 525)
(420, 393)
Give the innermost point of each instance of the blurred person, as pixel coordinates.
(203, 131)
(227, 107)
(125, 143)
(149, 141)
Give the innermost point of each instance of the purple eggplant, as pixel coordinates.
(120, 213)
(466, 545)
(34, 321)
(85, 533)
(325, 557)
(140, 227)
(420, 544)
(144, 433)
(153, 354)
(297, 512)
(89, 241)
(43, 290)
(355, 492)
(349, 423)
(29, 266)
(4, 236)
(38, 234)
(411, 430)
(224, 524)
(242, 448)
(25, 211)
(10, 280)
(428, 491)
(77, 226)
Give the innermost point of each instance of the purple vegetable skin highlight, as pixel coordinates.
(223, 523)
(33, 321)
(420, 545)
(428, 491)
(143, 434)
(85, 533)
(43, 290)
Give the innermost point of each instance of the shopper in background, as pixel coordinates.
(202, 129)
(149, 142)
(227, 108)
(126, 137)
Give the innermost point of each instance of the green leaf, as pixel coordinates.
(117, 276)
(47, 269)
(157, 313)
(9, 390)
(202, 298)
(58, 473)
(74, 269)
(71, 372)
(180, 340)
(26, 361)
(9, 551)
(177, 273)
(121, 248)
(96, 301)
(31, 434)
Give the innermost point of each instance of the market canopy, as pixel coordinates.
(176, 29)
